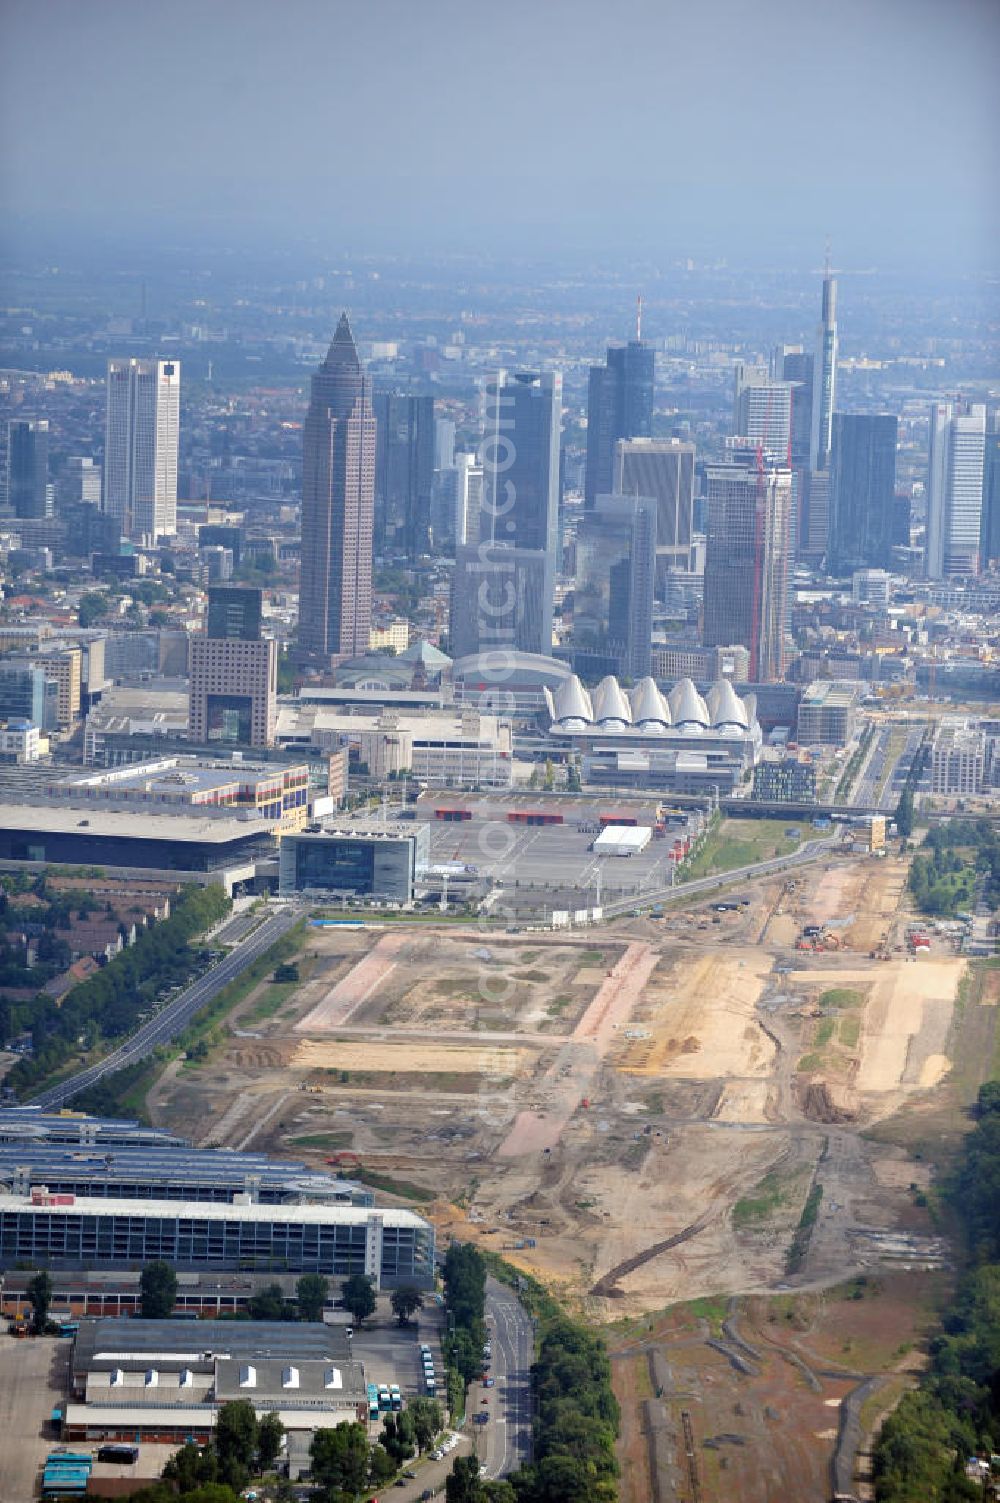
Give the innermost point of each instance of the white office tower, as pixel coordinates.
(955, 466)
(937, 453)
(762, 411)
(468, 498)
(824, 377)
(140, 450)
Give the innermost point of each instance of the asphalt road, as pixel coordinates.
(805, 853)
(177, 1014)
(506, 1440)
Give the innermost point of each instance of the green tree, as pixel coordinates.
(235, 1441)
(399, 1437)
(191, 1466)
(270, 1433)
(268, 1304)
(40, 1294)
(904, 814)
(462, 1484)
(340, 1459)
(357, 1294)
(465, 1353)
(381, 1467)
(311, 1291)
(406, 1301)
(157, 1291)
(427, 1421)
(92, 607)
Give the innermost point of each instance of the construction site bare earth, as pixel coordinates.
(651, 1112)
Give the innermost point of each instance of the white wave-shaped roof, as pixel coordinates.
(648, 704)
(610, 702)
(687, 706)
(725, 706)
(572, 702)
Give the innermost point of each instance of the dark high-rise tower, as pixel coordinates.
(404, 469)
(503, 587)
(28, 467)
(338, 504)
(234, 613)
(862, 491)
(746, 558)
(619, 405)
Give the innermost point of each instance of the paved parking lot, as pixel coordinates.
(391, 1353)
(557, 857)
(33, 1375)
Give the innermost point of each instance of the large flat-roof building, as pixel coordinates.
(271, 791)
(91, 1156)
(446, 748)
(162, 1380)
(380, 863)
(216, 845)
(390, 1246)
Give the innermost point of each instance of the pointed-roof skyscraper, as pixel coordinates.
(338, 506)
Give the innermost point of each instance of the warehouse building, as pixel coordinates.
(160, 1380)
(389, 1245)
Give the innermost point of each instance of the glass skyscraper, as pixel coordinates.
(619, 405)
(862, 491)
(746, 559)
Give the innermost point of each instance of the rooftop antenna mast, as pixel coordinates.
(638, 318)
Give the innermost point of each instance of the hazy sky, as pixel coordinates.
(617, 128)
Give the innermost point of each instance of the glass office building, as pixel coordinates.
(389, 1245)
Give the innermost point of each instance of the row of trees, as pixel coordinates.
(464, 1276)
(921, 1449)
(576, 1422)
(158, 1296)
(107, 1004)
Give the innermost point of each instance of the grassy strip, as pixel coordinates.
(722, 850)
(840, 996)
(405, 1189)
(803, 1232)
(824, 1033)
(329, 1140)
(771, 1195)
(850, 1032)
